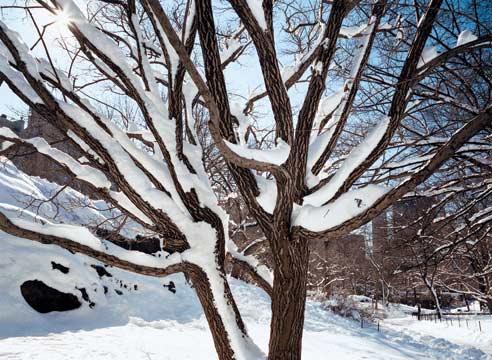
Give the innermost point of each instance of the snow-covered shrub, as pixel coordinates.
(351, 307)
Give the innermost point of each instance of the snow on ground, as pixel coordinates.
(22, 260)
(466, 332)
(147, 321)
(187, 337)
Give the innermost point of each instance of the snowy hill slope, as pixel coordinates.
(147, 321)
(142, 297)
(116, 296)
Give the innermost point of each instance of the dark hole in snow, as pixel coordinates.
(56, 266)
(135, 287)
(171, 287)
(45, 299)
(118, 292)
(105, 289)
(101, 271)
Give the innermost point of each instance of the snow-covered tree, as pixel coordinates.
(357, 66)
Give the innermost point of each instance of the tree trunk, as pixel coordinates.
(489, 305)
(288, 301)
(433, 292)
(466, 303)
(383, 299)
(437, 302)
(227, 335)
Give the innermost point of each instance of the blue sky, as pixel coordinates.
(16, 19)
(243, 77)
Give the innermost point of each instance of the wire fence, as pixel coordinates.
(448, 319)
(461, 320)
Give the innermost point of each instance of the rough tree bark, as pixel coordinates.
(288, 299)
(215, 319)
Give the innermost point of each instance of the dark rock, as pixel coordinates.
(101, 271)
(171, 287)
(86, 298)
(45, 299)
(118, 292)
(56, 266)
(145, 244)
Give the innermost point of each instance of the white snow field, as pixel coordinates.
(147, 321)
(181, 332)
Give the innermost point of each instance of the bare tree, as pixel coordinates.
(452, 250)
(326, 176)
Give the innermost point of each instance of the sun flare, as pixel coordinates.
(62, 19)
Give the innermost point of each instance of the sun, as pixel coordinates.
(62, 19)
